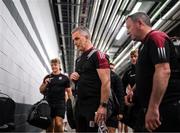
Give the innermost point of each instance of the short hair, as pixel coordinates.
(140, 15)
(133, 52)
(55, 60)
(83, 30)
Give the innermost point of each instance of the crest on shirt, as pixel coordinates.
(60, 78)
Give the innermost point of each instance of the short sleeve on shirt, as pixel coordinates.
(101, 60)
(159, 51)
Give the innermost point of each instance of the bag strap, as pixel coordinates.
(91, 53)
(88, 56)
(41, 102)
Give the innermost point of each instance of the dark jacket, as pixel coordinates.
(117, 87)
(129, 77)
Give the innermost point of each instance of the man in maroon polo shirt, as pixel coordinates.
(92, 79)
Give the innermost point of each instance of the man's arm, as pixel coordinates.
(69, 92)
(104, 75)
(160, 83)
(42, 88)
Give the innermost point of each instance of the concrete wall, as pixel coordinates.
(27, 43)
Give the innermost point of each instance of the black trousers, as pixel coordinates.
(85, 124)
(84, 116)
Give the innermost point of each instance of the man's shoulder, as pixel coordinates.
(158, 35)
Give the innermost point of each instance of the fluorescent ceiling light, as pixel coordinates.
(123, 29)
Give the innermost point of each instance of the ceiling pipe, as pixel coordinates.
(122, 59)
(135, 8)
(123, 66)
(174, 26)
(72, 14)
(84, 12)
(115, 26)
(123, 53)
(167, 16)
(62, 32)
(169, 23)
(77, 12)
(104, 21)
(111, 19)
(76, 25)
(94, 14)
(111, 33)
(116, 21)
(72, 27)
(103, 9)
(160, 10)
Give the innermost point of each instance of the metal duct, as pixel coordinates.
(62, 33)
(103, 9)
(104, 21)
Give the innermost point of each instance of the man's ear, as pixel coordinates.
(140, 23)
(86, 37)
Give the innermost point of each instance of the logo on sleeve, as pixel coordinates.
(162, 53)
(101, 55)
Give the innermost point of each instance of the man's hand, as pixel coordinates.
(101, 114)
(152, 119)
(119, 117)
(74, 76)
(43, 86)
(47, 81)
(128, 98)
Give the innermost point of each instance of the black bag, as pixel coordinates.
(7, 112)
(129, 116)
(40, 115)
(113, 105)
(175, 59)
(71, 103)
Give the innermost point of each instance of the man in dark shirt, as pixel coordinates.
(157, 94)
(117, 88)
(54, 87)
(92, 79)
(128, 80)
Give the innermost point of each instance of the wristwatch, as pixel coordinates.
(104, 104)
